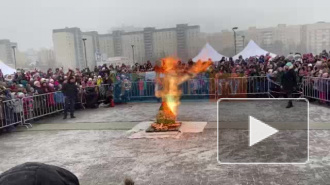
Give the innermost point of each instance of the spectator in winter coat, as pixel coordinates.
(37, 87)
(289, 82)
(70, 91)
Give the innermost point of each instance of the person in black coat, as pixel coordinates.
(38, 174)
(70, 92)
(289, 82)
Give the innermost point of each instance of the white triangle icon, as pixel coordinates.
(259, 131)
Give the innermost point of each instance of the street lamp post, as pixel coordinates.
(235, 28)
(243, 41)
(14, 47)
(133, 53)
(84, 40)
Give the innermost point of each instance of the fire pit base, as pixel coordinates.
(164, 127)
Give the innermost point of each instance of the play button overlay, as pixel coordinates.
(262, 131)
(259, 131)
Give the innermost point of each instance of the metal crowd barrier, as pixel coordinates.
(253, 85)
(81, 98)
(42, 105)
(191, 88)
(21, 111)
(103, 92)
(95, 94)
(199, 87)
(142, 89)
(316, 88)
(275, 90)
(11, 113)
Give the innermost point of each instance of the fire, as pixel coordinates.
(172, 78)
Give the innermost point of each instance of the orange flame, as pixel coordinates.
(170, 92)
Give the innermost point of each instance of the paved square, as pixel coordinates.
(96, 147)
(287, 144)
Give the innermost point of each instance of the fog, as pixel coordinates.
(30, 23)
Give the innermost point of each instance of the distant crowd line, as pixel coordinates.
(27, 83)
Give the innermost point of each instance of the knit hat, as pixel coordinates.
(20, 95)
(36, 83)
(31, 89)
(289, 64)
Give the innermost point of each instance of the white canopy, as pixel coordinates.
(208, 52)
(6, 70)
(251, 50)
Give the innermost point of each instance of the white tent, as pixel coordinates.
(208, 52)
(6, 70)
(251, 50)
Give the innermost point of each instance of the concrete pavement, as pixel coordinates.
(95, 147)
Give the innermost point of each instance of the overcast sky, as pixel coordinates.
(30, 22)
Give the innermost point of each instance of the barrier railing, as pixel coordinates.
(81, 99)
(11, 113)
(104, 92)
(316, 88)
(21, 111)
(42, 105)
(142, 89)
(242, 85)
(192, 87)
(202, 87)
(275, 89)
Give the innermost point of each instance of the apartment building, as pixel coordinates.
(182, 41)
(68, 48)
(6, 52)
(315, 37)
(92, 48)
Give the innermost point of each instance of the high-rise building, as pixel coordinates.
(106, 46)
(222, 41)
(123, 44)
(92, 47)
(164, 43)
(46, 58)
(182, 41)
(21, 60)
(6, 52)
(68, 48)
(194, 41)
(281, 39)
(240, 41)
(315, 37)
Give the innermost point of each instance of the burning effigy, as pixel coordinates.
(169, 76)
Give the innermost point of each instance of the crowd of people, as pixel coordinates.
(39, 82)
(114, 84)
